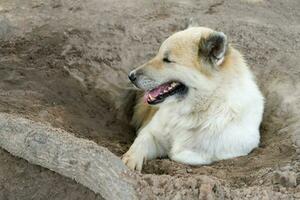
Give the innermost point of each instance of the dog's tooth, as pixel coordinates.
(173, 84)
(165, 90)
(150, 97)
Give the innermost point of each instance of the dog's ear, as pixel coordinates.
(213, 48)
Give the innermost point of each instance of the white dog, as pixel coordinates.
(200, 102)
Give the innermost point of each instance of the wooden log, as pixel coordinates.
(89, 164)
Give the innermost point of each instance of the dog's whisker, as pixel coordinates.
(128, 88)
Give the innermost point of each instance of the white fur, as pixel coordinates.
(219, 119)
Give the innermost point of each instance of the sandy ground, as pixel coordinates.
(65, 63)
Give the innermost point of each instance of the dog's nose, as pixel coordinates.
(132, 76)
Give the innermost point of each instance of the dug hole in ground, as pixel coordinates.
(64, 64)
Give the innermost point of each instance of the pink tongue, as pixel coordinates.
(156, 91)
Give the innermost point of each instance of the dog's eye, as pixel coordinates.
(167, 60)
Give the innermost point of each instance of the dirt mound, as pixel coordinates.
(65, 63)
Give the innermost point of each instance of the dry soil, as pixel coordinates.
(65, 63)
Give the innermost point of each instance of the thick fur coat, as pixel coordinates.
(213, 113)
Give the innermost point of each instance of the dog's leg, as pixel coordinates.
(190, 157)
(145, 147)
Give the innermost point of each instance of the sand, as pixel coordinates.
(65, 63)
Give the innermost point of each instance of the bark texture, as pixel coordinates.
(89, 164)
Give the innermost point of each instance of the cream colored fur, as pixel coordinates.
(219, 117)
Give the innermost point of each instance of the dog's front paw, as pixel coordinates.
(134, 160)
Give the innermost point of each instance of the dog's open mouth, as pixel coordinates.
(161, 92)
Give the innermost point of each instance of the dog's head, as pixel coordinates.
(185, 64)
